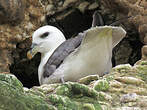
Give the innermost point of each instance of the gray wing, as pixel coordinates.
(61, 53)
(67, 47)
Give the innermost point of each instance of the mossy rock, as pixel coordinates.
(101, 85)
(103, 93)
(142, 70)
(68, 96)
(12, 96)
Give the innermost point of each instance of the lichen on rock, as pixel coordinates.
(13, 97)
(124, 88)
(101, 85)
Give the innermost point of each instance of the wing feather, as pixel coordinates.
(60, 54)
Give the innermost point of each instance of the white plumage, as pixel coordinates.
(93, 56)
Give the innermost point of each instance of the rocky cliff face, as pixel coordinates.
(137, 8)
(122, 89)
(12, 33)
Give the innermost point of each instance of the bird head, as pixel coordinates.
(45, 39)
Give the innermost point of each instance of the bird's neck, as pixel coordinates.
(45, 56)
(44, 59)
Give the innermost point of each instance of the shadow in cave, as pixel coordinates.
(26, 70)
(72, 24)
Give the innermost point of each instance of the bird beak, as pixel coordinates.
(34, 49)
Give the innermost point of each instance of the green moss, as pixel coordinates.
(83, 89)
(45, 89)
(142, 72)
(73, 96)
(12, 81)
(123, 68)
(101, 85)
(23, 102)
(63, 90)
(81, 101)
(62, 101)
(97, 107)
(15, 100)
(109, 77)
(12, 96)
(101, 97)
(35, 92)
(88, 106)
(143, 63)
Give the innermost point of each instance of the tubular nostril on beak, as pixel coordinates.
(32, 51)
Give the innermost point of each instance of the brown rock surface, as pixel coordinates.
(11, 35)
(137, 8)
(12, 11)
(144, 52)
(5, 60)
(143, 32)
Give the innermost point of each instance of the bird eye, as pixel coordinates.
(44, 35)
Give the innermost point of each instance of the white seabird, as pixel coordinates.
(88, 53)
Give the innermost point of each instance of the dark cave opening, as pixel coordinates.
(27, 70)
(72, 24)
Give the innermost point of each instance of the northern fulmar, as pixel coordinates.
(88, 53)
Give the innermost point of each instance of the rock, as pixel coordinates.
(130, 80)
(144, 52)
(137, 9)
(127, 51)
(82, 7)
(49, 7)
(86, 80)
(5, 60)
(101, 85)
(116, 84)
(144, 56)
(40, 98)
(132, 97)
(143, 31)
(122, 68)
(145, 39)
(102, 95)
(141, 68)
(69, 2)
(30, 18)
(12, 11)
(89, 106)
(12, 94)
(93, 6)
(122, 52)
